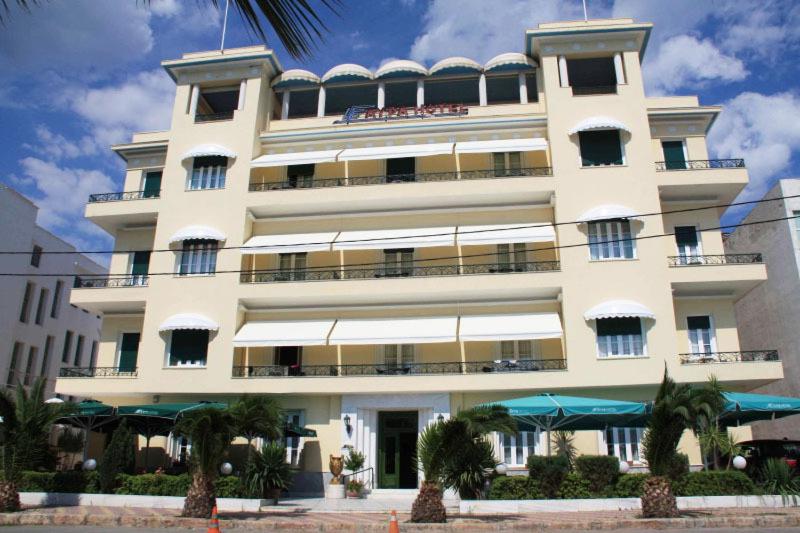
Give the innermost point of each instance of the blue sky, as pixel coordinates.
(79, 75)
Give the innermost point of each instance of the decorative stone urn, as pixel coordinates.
(336, 487)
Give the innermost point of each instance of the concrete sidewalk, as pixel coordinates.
(280, 520)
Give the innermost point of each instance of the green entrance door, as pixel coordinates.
(129, 352)
(397, 443)
(673, 155)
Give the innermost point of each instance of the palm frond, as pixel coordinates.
(5, 7)
(210, 431)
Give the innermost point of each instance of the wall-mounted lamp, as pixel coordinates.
(440, 418)
(347, 426)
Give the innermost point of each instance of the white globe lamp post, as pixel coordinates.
(624, 467)
(226, 469)
(501, 469)
(739, 462)
(89, 465)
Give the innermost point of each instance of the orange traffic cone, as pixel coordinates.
(214, 527)
(394, 527)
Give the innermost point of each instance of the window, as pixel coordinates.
(519, 446)
(511, 257)
(398, 356)
(57, 299)
(93, 355)
(217, 103)
(208, 173)
(592, 76)
(189, 347)
(290, 357)
(67, 346)
(36, 256)
(128, 348)
(463, 91)
(625, 443)
(32, 354)
(701, 335)
(514, 350)
(674, 155)
(40, 308)
(688, 244)
(294, 444)
(338, 99)
(619, 337)
(302, 103)
(300, 176)
(600, 148)
(79, 350)
(292, 267)
(151, 187)
(199, 256)
(398, 262)
(16, 353)
(140, 267)
(610, 239)
(24, 313)
(507, 163)
(502, 89)
(531, 86)
(401, 94)
(48, 348)
(400, 169)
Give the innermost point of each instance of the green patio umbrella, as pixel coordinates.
(158, 419)
(741, 408)
(89, 415)
(556, 412)
(293, 430)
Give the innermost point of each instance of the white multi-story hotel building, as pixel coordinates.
(40, 331)
(381, 249)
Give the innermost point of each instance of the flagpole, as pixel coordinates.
(225, 25)
(585, 14)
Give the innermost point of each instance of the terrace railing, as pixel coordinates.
(109, 282)
(723, 259)
(309, 182)
(213, 117)
(728, 357)
(122, 196)
(595, 89)
(699, 164)
(97, 372)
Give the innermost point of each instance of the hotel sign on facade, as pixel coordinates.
(364, 113)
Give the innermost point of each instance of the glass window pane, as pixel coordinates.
(338, 99)
(303, 103)
(502, 89)
(507, 448)
(461, 91)
(507, 349)
(518, 450)
(525, 350)
(401, 94)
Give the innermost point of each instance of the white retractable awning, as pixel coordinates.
(393, 151)
(510, 327)
(618, 309)
(598, 123)
(295, 158)
(394, 330)
(197, 232)
(502, 145)
(284, 333)
(188, 321)
(608, 212)
(203, 150)
(395, 238)
(505, 234)
(288, 244)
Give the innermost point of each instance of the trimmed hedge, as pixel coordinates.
(629, 485)
(574, 487)
(714, 483)
(68, 481)
(600, 471)
(514, 488)
(550, 472)
(166, 485)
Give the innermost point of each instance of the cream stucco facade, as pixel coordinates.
(544, 176)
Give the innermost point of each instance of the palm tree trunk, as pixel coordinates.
(200, 499)
(9, 497)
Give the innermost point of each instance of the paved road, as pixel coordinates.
(86, 529)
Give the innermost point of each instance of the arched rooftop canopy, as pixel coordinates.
(295, 78)
(455, 65)
(400, 68)
(510, 61)
(347, 72)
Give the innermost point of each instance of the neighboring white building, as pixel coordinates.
(770, 313)
(40, 331)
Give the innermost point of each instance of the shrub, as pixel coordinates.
(166, 485)
(515, 488)
(69, 481)
(549, 472)
(574, 486)
(228, 487)
(355, 461)
(600, 471)
(119, 458)
(630, 485)
(714, 483)
(677, 466)
(267, 471)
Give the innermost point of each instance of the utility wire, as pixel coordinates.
(389, 239)
(383, 264)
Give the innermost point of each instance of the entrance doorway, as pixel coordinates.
(397, 444)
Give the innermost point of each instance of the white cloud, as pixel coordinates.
(686, 61)
(165, 8)
(56, 146)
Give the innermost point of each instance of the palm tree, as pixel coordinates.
(210, 432)
(24, 436)
(257, 416)
(455, 454)
(295, 22)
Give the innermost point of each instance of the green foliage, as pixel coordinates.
(257, 416)
(68, 481)
(355, 485)
(778, 478)
(210, 431)
(677, 466)
(165, 485)
(629, 485)
(714, 483)
(70, 441)
(355, 461)
(267, 470)
(564, 445)
(515, 488)
(549, 472)
(574, 486)
(601, 471)
(118, 458)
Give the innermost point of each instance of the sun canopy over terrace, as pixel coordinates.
(531, 144)
(394, 330)
(286, 244)
(394, 151)
(284, 333)
(395, 238)
(529, 326)
(295, 158)
(505, 234)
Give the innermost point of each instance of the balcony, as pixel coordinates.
(713, 180)
(411, 369)
(705, 260)
(730, 275)
(123, 196)
(728, 357)
(106, 295)
(698, 164)
(107, 282)
(113, 210)
(97, 372)
(213, 117)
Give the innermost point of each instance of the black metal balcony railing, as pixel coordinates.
(705, 260)
(108, 282)
(699, 164)
(213, 117)
(309, 182)
(596, 89)
(97, 372)
(410, 369)
(120, 196)
(274, 276)
(728, 357)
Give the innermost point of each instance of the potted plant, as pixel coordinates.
(268, 473)
(355, 461)
(354, 488)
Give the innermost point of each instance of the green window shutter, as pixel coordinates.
(129, 352)
(188, 345)
(152, 184)
(141, 263)
(600, 148)
(619, 326)
(673, 154)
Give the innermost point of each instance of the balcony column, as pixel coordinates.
(193, 98)
(381, 95)
(285, 104)
(246, 361)
(341, 264)
(458, 166)
(523, 88)
(618, 70)
(242, 91)
(562, 71)
(460, 257)
(420, 93)
(463, 357)
(347, 172)
(482, 100)
(339, 359)
(321, 101)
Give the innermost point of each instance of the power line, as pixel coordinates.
(492, 254)
(444, 234)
